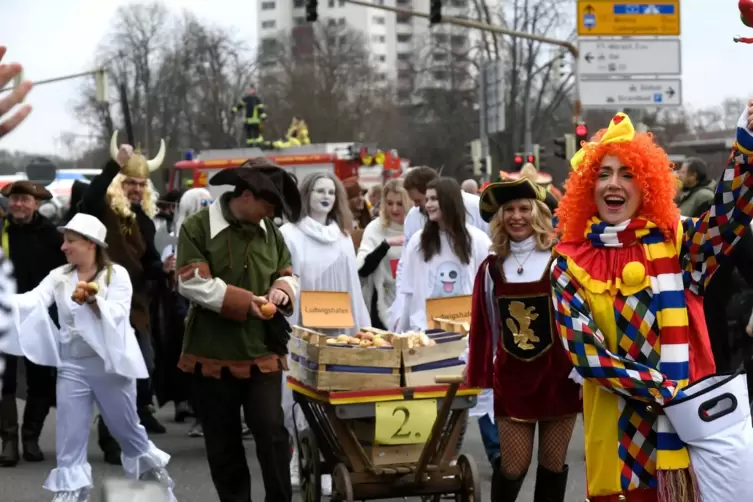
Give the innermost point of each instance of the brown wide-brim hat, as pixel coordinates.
(26, 187)
(268, 182)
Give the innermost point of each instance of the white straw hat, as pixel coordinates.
(87, 226)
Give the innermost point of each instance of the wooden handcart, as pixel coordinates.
(393, 443)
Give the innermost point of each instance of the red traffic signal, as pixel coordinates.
(531, 159)
(518, 159)
(581, 130)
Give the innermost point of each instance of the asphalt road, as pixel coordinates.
(191, 474)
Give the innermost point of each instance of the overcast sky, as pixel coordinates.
(53, 38)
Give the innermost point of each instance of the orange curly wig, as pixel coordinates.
(651, 169)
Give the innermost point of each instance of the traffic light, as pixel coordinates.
(101, 84)
(522, 158)
(435, 12)
(518, 161)
(581, 134)
(559, 151)
(565, 147)
(311, 14)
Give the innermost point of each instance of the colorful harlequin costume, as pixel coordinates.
(628, 302)
(514, 348)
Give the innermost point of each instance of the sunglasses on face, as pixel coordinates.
(206, 202)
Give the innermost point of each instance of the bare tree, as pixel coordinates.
(538, 76)
(181, 76)
(323, 73)
(437, 93)
(443, 86)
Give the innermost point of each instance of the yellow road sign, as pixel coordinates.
(624, 18)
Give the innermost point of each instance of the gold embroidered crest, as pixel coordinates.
(523, 335)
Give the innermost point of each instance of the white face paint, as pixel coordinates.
(322, 198)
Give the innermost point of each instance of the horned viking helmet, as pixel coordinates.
(138, 166)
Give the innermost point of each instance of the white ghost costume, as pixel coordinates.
(98, 361)
(324, 259)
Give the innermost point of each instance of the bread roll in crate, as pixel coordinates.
(335, 362)
(435, 352)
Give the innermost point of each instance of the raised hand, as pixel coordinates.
(7, 73)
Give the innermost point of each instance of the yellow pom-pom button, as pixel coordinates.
(634, 273)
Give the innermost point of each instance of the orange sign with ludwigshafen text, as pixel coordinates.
(456, 308)
(326, 309)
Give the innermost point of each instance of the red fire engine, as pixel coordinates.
(344, 160)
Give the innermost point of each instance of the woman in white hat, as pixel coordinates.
(97, 356)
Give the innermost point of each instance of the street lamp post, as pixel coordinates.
(100, 75)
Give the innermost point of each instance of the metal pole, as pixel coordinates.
(56, 79)
(527, 132)
(468, 23)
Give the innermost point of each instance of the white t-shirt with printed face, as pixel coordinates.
(442, 276)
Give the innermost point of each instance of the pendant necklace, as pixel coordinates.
(520, 264)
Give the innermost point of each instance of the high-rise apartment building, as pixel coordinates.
(405, 50)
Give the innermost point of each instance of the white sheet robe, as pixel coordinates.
(324, 259)
(98, 361)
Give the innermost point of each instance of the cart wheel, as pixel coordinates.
(343, 486)
(469, 480)
(310, 467)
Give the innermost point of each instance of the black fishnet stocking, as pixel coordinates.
(516, 447)
(554, 439)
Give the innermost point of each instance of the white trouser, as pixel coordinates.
(82, 382)
(294, 418)
(293, 415)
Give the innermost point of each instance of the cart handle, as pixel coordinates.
(449, 379)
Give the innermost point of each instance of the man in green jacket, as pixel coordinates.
(232, 260)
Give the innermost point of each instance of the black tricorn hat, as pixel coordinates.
(266, 181)
(497, 194)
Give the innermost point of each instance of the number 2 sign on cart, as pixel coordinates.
(404, 422)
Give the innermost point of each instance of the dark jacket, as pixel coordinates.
(733, 276)
(34, 249)
(133, 249)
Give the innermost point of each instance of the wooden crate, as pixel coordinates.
(326, 367)
(451, 326)
(421, 364)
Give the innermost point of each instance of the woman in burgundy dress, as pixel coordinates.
(513, 346)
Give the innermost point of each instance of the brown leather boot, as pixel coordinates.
(9, 432)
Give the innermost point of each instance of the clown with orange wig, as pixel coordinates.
(627, 285)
